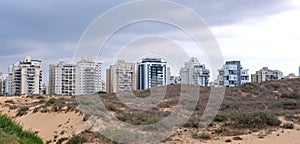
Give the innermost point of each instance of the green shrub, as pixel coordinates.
(291, 95)
(276, 85)
(224, 106)
(220, 118)
(193, 122)
(111, 107)
(77, 139)
(290, 105)
(258, 119)
(10, 129)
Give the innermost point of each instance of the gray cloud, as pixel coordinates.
(50, 29)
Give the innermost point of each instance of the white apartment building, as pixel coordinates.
(26, 77)
(233, 74)
(265, 74)
(9, 80)
(88, 76)
(120, 77)
(152, 72)
(62, 78)
(3, 83)
(194, 72)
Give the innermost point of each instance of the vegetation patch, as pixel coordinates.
(9, 130)
(291, 95)
(258, 119)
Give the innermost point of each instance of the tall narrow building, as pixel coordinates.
(88, 76)
(233, 74)
(62, 78)
(3, 84)
(120, 77)
(194, 72)
(26, 77)
(152, 72)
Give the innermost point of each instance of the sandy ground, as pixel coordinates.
(62, 124)
(50, 125)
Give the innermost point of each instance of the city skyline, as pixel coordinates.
(241, 33)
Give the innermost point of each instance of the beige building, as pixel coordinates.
(120, 77)
(62, 78)
(26, 77)
(88, 76)
(194, 72)
(265, 74)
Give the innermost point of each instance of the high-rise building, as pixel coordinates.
(194, 72)
(233, 74)
(120, 77)
(265, 74)
(3, 83)
(88, 76)
(26, 77)
(152, 72)
(9, 80)
(62, 78)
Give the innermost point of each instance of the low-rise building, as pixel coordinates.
(266, 74)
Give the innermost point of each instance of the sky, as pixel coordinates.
(258, 33)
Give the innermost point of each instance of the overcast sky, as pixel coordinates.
(257, 32)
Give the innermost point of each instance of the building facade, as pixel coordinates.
(194, 72)
(233, 74)
(152, 72)
(3, 84)
(26, 77)
(120, 77)
(62, 78)
(88, 76)
(265, 74)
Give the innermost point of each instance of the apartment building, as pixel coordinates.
(152, 72)
(233, 74)
(88, 76)
(3, 83)
(175, 79)
(266, 74)
(120, 77)
(194, 72)
(62, 78)
(26, 77)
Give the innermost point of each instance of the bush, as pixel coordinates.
(220, 118)
(77, 139)
(202, 135)
(22, 111)
(291, 95)
(224, 106)
(9, 101)
(257, 119)
(111, 107)
(193, 122)
(10, 129)
(290, 105)
(288, 126)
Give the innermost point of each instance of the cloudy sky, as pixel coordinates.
(257, 32)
